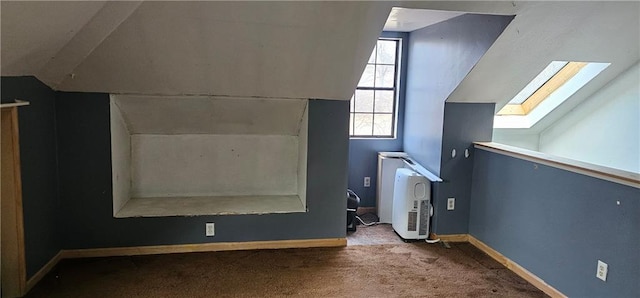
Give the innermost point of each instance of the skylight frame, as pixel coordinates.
(562, 85)
(541, 87)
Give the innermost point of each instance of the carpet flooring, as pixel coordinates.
(364, 269)
(373, 235)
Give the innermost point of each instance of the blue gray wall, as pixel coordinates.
(363, 153)
(86, 194)
(557, 224)
(38, 168)
(66, 178)
(464, 123)
(440, 56)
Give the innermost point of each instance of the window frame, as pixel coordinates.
(562, 76)
(548, 96)
(396, 93)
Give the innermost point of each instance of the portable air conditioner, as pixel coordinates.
(388, 164)
(411, 205)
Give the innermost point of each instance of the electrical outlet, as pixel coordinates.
(601, 273)
(211, 229)
(367, 181)
(451, 203)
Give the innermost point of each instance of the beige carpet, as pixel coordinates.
(383, 270)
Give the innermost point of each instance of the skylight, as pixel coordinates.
(555, 84)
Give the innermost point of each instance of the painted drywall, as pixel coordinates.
(440, 56)
(269, 50)
(210, 115)
(28, 46)
(86, 192)
(210, 205)
(213, 165)
(196, 146)
(303, 139)
(603, 130)
(543, 31)
(407, 20)
(558, 224)
(522, 138)
(363, 153)
(121, 157)
(464, 123)
(363, 162)
(38, 166)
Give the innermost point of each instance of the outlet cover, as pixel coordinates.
(211, 229)
(602, 270)
(451, 203)
(367, 181)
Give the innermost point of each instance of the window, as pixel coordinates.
(373, 105)
(555, 84)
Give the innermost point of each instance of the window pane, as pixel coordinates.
(351, 103)
(363, 124)
(372, 59)
(351, 124)
(384, 101)
(367, 77)
(373, 104)
(385, 75)
(386, 52)
(382, 124)
(363, 101)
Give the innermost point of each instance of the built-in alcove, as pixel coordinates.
(185, 156)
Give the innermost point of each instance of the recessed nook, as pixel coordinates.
(186, 156)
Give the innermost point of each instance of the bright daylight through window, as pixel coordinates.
(555, 84)
(373, 105)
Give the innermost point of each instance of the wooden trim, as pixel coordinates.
(592, 170)
(19, 209)
(183, 248)
(204, 247)
(43, 271)
(537, 97)
(559, 79)
(450, 237)
(10, 117)
(516, 268)
(276, 244)
(512, 109)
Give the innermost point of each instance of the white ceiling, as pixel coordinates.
(293, 49)
(256, 49)
(34, 32)
(407, 20)
(543, 32)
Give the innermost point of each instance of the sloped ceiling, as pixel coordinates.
(407, 20)
(546, 31)
(244, 49)
(34, 32)
(290, 49)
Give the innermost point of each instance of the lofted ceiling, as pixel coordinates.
(238, 49)
(543, 32)
(301, 50)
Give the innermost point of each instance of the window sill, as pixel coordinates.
(214, 205)
(373, 138)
